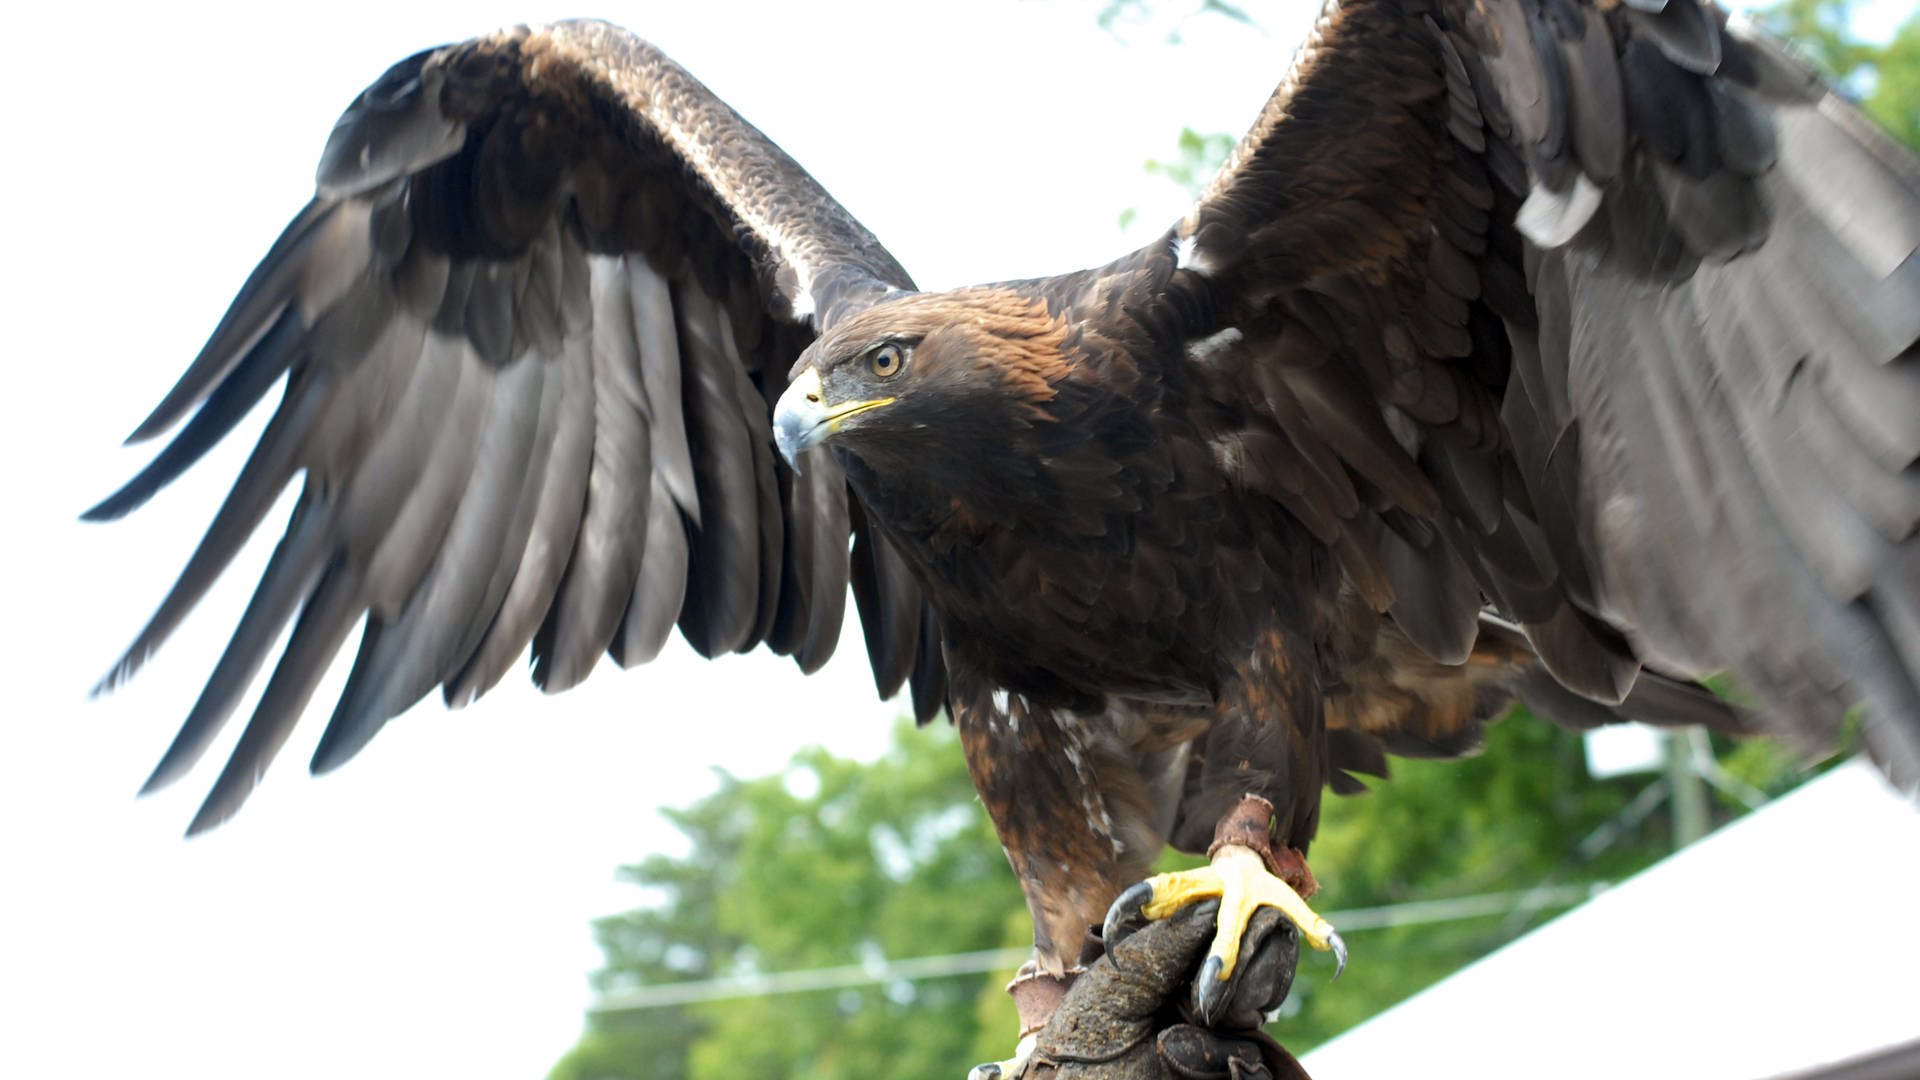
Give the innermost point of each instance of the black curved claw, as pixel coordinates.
(1339, 948)
(1212, 992)
(1124, 916)
(989, 1070)
(1260, 981)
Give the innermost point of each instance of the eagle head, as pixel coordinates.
(923, 370)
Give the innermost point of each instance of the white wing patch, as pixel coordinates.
(1206, 350)
(1551, 218)
(1188, 256)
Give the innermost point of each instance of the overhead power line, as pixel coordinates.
(794, 982)
(1412, 913)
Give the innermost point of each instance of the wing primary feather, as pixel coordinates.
(236, 396)
(266, 292)
(260, 482)
(294, 568)
(322, 628)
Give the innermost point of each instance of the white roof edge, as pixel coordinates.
(1787, 941)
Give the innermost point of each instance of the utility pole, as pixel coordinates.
(1687, 790)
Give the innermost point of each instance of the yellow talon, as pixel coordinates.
(1239, 877)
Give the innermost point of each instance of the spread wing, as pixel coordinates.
(1605, 313)
(530, 329)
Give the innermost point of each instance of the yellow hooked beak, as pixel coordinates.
(802, 419)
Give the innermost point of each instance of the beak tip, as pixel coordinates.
(796, 418)
(789, 454)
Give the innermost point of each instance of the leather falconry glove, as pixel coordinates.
(1128, 1017)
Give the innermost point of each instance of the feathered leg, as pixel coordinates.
(1260, 786)
(1072, 814)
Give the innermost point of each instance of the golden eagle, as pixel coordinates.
(1542, 348)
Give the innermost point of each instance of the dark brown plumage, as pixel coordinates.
(1533, 347)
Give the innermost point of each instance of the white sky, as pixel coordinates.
(425, 910)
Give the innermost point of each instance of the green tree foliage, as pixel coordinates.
(1196, 158)
(1885, 77)
(678, 939)
(1895, 101)
(831, 863)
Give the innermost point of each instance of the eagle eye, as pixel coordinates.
(887, 360)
